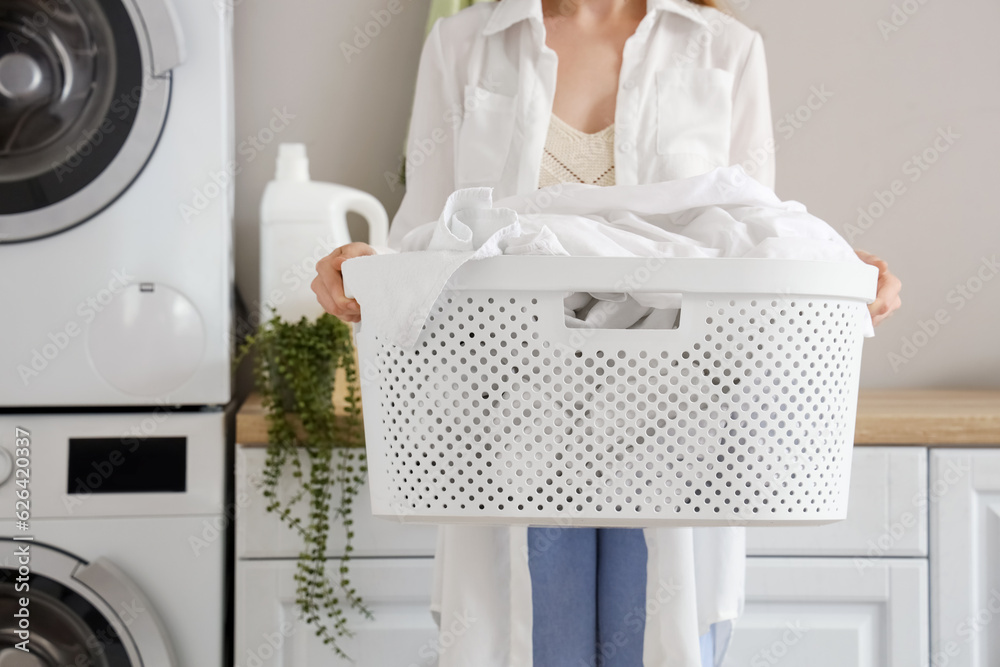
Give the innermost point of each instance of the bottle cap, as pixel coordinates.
(293, 165)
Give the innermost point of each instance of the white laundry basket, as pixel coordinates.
(742, 415)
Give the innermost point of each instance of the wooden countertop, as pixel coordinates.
(928, 417)
(885, 417)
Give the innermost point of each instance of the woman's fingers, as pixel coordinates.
(323, 296)
(889, 288)
(887, 299)
(335, 284)
(329, 282)
(878, 319)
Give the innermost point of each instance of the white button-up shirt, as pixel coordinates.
(692, 96)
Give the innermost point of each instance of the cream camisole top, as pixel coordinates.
(572, 156)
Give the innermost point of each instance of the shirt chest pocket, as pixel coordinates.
(485, 136)
(694, 108)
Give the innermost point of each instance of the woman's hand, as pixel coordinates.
(329, 282)
(887, 294)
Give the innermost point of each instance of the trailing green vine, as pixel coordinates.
(295, 373)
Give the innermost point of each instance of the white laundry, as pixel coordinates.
(722, 213)
(417, 278)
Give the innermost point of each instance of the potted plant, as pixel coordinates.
(297, 368)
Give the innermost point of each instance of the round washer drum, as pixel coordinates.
(84, 91)
(79, 612)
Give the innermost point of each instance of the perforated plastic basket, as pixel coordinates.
(743, 414)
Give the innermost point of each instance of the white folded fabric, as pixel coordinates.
(722, 213)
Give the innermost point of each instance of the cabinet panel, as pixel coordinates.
(886, 515)
(826, 612)
(260, 534)
(965, 557)
(397, 591)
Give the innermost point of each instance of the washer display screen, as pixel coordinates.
(127, 465)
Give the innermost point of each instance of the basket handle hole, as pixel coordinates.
(619, 310)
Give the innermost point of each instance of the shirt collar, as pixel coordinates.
(509, 12)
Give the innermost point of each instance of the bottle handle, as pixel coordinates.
(371, 209)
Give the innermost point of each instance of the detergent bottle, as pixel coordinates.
(302, 221)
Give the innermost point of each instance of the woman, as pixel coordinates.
(520, 94)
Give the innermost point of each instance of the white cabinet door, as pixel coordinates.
(965, 557)
(827, 612)
(397, 591)
(261, 534)
(886, 514)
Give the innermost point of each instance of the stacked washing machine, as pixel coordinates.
(116, 320)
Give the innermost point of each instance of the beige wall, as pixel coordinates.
(352, 115)
(884, 99)
(894, 92)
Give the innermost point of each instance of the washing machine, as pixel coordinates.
(116, 199)
(112, 539)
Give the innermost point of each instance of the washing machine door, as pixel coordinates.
(84, 91)
(79, 613)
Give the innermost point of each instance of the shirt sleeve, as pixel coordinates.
(430, 150)
(752, 143)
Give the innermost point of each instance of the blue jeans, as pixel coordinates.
(588, 597)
